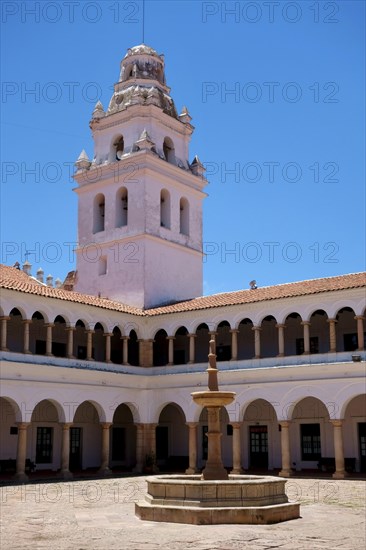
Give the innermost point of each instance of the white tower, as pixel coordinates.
(140, 199)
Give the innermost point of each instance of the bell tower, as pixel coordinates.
(140, 199)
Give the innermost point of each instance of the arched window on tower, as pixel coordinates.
(169, 151)
(122, 207)
(98, 214)
(184, 216)
(119, 145)
(165, 208)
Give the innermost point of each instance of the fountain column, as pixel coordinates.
(285, 450)
(237, 469)
(192, 442)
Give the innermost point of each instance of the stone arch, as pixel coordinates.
(261, 437)
(181, 346)
(172, 438)
(294, 334)
(311, 433)
(269, 337)
(202, 343)
(160, 348)
(123, 438)
(15, 330)
(223, 341)
(319, 331)
(86, 422)
(245, 339)
(354, 430)
(346, 329)
(10, 414)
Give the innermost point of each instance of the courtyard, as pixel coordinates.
(98, 514)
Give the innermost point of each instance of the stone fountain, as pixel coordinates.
(216, 497)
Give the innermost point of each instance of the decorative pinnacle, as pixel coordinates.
(212, 371)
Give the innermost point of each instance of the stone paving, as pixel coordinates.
(99, 515)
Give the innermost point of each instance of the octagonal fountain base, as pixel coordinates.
(239, 499)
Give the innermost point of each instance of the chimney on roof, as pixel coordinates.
(39, 275)
(27, 267)
(49, 281)
(58, 283)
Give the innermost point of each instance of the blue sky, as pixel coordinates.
(276, 92)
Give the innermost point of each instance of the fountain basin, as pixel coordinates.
(213, 398)
(239, 499)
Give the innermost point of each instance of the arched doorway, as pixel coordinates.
(85, 438)
(44, 436)
(354, 432)
(262, 438)
(172, 439)
(123, 439)
(311, 434)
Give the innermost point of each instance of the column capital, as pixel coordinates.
(192, 424)
(106, 425)
(23, 425)
(89, 331)
(145, 340)
(26, 321)
(170, 337)
(212, 332)
(234, 330)
(69, 328)
(108, 334)
(284, 423)
(332, 320)
(256, 327)
(6, 318)
(66, 425)
(192, 335)
(49, 325)
(338, 423)
(236, 425)
(281, 325)
(305, 323)
(126, 338)
(356, 317)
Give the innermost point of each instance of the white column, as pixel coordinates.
(70, 342)
(125, 340)
(360, 331)
(49, 328)
(4, 326)
(26, 324)
(281, 339)
(171, 350)
(338, 449)
(192, 350)
(139, 448)
(192, 444)
(20, 474)
(65, 452)
(108, 336)
(285, 450)
(234, 344)
(257, 342)
(89, 345)
(332, 335)
(237, 468)
(306, 325)
(104, 467)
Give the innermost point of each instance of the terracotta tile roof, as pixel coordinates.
(288, 290)
(14, 279)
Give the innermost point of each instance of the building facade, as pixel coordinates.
(98, 372)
